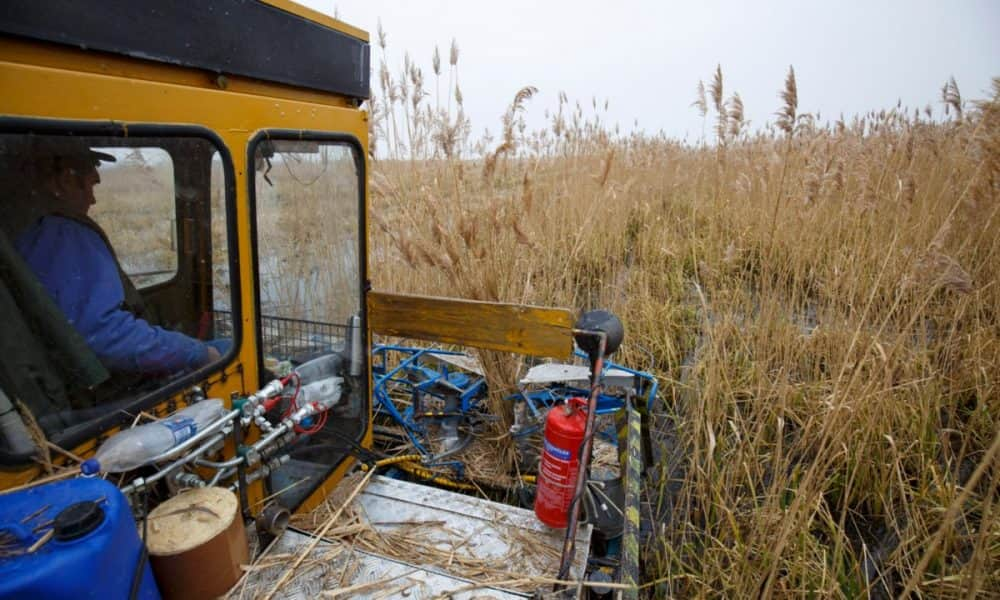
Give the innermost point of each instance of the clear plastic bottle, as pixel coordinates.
(135, 447)
(324, 392)
(322, 367)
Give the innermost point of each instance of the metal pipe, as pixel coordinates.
(269, 467)
(241, 469)
(256, 447)
(569, 543)
(278, 431)
(140, 482)
(262, 472)
(197, 437)
(232, 462)
(356, 345)
(273, 519)
(219, 438)
(219, 475)
(239, 462)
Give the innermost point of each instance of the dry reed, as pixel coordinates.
(820, 303)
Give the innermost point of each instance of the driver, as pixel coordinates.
(73, 259)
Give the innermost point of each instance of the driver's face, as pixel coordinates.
(76, 189)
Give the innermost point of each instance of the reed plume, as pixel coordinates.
(787, 116)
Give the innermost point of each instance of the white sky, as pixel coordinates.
(646, 57)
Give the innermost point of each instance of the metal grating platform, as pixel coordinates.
(508, 539)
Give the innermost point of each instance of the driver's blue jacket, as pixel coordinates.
(80, 272)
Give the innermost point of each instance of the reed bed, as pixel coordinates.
(819, 299)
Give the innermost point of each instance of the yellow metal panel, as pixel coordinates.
(64, 94)
(219, 385)
(59, 93)
(320, 494)
(46, 82)
(61, 57)
(492, 325)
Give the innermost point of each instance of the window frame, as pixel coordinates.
(304, 135)
(117, 129)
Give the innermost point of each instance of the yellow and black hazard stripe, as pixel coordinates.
(630, 456)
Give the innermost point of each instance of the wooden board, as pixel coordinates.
(492, 325)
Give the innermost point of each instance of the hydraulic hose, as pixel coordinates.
(406, 463)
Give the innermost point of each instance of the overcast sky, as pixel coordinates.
(646, 57)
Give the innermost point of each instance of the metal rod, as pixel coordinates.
(569, 543)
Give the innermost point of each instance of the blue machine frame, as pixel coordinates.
(426, 371)
(413, 374)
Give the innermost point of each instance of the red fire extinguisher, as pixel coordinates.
(564, 429)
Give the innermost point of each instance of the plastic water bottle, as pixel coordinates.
(322, 367)
(135, 447)
(324, 392)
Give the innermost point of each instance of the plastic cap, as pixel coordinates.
(77, 520)
(90, 467)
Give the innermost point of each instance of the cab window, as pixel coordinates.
(310, 270)
(113, 253)
(137, 195)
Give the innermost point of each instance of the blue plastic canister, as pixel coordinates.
(92, 552)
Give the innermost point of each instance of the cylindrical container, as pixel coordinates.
(356, 341)
(197, 543)
(322, 367)
(71, 539)
(564, 429)
(131, 448)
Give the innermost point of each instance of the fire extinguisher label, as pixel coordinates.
(557, 452)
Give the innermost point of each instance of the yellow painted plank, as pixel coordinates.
(506, 327)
